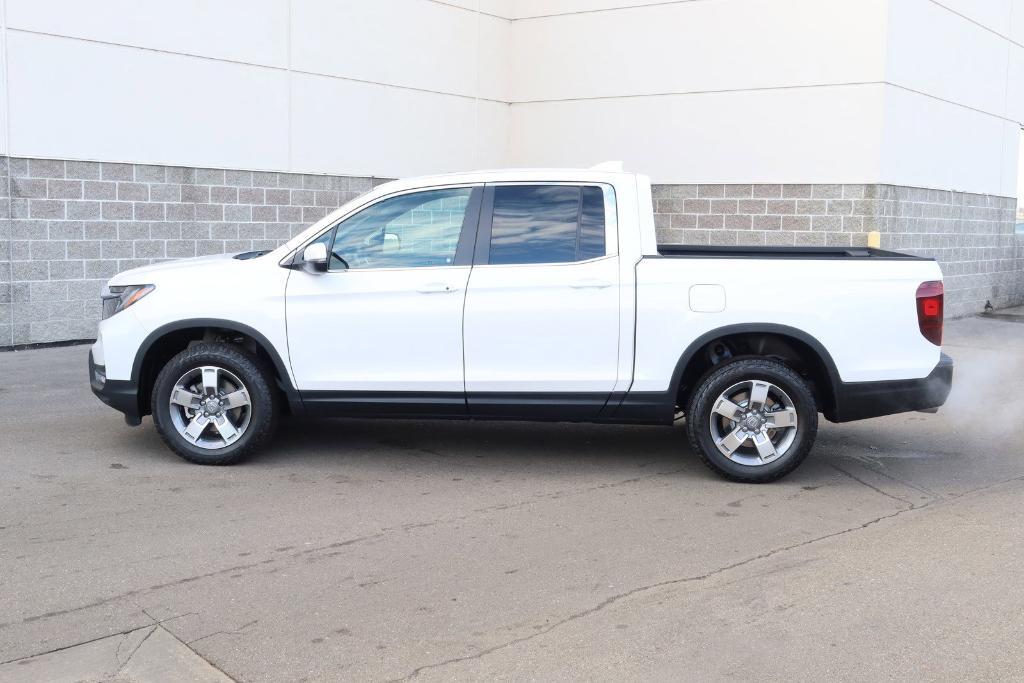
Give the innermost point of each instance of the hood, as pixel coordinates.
(153, 273)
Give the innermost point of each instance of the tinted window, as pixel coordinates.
(407, 231)
(546, 224)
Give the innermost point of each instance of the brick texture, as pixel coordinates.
(68, 226)
(970, 235)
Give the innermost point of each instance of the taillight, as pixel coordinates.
(929, 311)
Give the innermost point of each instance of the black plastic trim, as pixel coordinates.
(667, 409)
(284, 381)
(860, 400)
(398, 404)
(559, 407)
(122, 395)
(742, 252)
(464, 250)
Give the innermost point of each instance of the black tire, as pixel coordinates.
(258, 381)
(721, 378)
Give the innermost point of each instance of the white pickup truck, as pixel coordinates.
(527, 295)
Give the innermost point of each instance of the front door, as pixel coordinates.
(381, 331)
(542, 309)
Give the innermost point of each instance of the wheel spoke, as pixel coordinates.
(183, 397)
(758, 393)
(210, 380)
(728, 409)
(196, 426)
(226, 429)
(236, 399)
(731, 441)
(780, 419)
(764, 445)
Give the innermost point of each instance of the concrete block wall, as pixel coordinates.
(73, 224)
(970, 235)
(67, 226)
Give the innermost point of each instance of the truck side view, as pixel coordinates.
(526, 295)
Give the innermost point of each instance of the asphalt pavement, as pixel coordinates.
(405, 550)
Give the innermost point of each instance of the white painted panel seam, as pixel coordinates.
(284, 69)
(599, 98)
(471, 11)
(977, 23)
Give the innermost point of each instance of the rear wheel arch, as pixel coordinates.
(796, 348)
(166, 341)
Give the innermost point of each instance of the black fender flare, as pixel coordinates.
(284, 381)
(754, 328)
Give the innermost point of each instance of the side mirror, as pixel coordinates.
(314, 257)
(392, 243)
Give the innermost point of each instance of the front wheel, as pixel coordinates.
(752, 420)
(213, 404)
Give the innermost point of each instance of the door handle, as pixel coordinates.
(436, 288)
(590, 283)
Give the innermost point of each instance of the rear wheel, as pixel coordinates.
(213, 404)
(752, 420)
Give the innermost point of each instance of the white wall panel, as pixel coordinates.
(931, 143)
(254, 31)
(1015, 85)
(414, 43)
(341, 126)
(770, 136)
(1017, 21)
(524, 9)
(994, 14)
(71, 99)
(1010, 176)
(3, 86)
(937, 52)
(699, 46)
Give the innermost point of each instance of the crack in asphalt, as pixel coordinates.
(84, 642)
(234, 631)
(199, 654)
(122, 665)
(339, 544)
(871, 486)
(607, 602)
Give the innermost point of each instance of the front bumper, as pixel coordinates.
(119, 394)
(860, 400)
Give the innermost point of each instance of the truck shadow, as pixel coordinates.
(523, 448)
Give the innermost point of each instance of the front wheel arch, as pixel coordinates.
(166, 341)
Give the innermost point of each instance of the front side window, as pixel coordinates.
(547, 224)
(408, 231)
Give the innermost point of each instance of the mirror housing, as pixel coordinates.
(314, 257)
(392, 243)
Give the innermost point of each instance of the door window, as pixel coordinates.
(408, 231)
(547, 224)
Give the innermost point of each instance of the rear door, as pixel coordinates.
(541, 321)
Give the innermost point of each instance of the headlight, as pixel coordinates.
(116, 299)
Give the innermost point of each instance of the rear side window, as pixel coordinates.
(547, 224)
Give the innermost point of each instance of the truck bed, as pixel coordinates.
(701, 251)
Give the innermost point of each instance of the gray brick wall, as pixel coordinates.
(67, 226)
(75, 224)
(970, 235)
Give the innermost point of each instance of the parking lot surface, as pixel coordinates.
(394, 550)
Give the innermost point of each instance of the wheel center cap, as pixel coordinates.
(752, 422)
(212, 405)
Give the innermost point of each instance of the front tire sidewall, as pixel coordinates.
(248, 370)
(718, 380)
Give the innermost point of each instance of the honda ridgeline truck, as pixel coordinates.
(525, 295)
